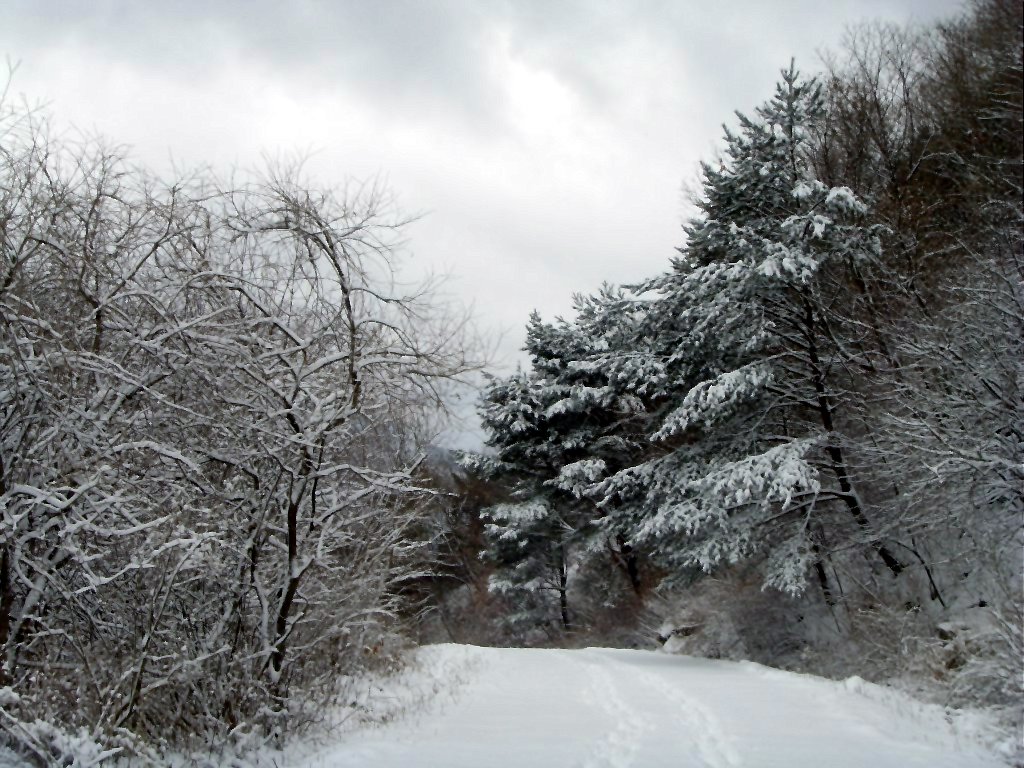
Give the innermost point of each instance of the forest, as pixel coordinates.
(801, 443)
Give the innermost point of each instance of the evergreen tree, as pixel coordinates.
(749, 454)
(555, 431)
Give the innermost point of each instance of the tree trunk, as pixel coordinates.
(835, 452)
(6, 604)
(563, 577)
(819, 571)
(625, 557)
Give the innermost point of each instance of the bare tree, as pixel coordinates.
(212, 403)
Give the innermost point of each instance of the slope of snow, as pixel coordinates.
(597, 708)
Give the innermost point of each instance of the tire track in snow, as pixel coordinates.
(715, 747)
(618, 748)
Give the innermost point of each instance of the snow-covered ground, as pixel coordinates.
(598, 708)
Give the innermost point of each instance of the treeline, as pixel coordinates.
(816, 410)
(213, 403)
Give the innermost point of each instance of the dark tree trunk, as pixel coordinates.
(287, 594)
(6, 604)
(563, 600)
(822, 576)
(835, 452)
(291, 587)
(625, 558)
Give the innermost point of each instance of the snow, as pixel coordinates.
(602, 708)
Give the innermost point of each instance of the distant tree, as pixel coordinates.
(529, 538)
(554, 430)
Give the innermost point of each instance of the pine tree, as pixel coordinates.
(555, 430)
(749, 457)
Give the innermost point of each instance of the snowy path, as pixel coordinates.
(598, 708)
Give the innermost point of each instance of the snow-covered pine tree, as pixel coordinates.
(529, 419)
(526, 537)
(554, 431)
(749, 454)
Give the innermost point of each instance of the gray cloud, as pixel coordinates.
(401, 53)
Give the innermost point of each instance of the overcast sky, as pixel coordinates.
(547, 142)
